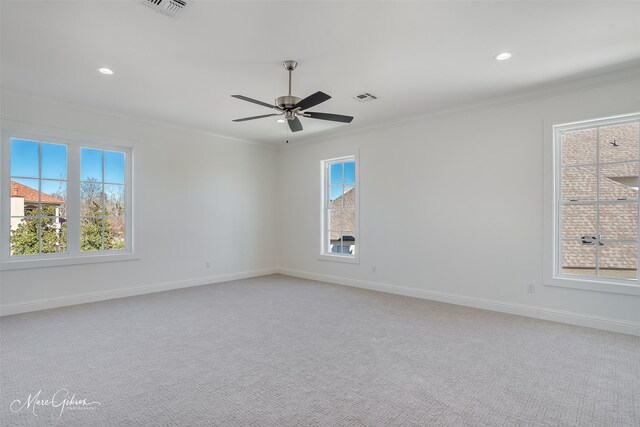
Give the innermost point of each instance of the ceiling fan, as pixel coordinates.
(291, 107)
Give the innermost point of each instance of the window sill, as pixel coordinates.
(593, 285)
(56, 262)
(340, 258)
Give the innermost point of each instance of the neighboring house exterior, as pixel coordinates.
(24, 200)
(617, 149)
(344, 241)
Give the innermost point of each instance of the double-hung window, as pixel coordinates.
(102, 199)
(340, 209)
(596, 197)
(38, 198)
(64, 200)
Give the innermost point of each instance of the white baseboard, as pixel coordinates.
(44, 304)
(572, 318)
(579, 319)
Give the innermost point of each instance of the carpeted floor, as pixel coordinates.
(278, 351)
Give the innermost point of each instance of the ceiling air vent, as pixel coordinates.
(365, 97)
(168, 7)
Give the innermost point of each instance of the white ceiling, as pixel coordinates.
(418, 57)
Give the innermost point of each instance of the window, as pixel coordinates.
(38, 188)
(596, 196)
(102, 201)
(64, 200)
(340, 209)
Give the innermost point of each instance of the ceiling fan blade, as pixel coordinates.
(255, 117)
(255, 101)
(312, 100)
(295, 125)
(328, 116)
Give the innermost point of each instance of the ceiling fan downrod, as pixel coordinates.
(288, 102)
(290, 66)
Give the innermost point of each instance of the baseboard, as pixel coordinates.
(572, 318)
(44, 304)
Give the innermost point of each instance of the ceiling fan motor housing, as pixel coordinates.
(287, 102)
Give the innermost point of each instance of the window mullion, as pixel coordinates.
(73, 200)
(559, 204)
(103, 201)
(39, 210)
(599, 237)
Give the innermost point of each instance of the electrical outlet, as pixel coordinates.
(531, 288)
(207, 264)
(373, 269)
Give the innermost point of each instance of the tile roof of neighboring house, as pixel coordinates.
(579, 183)
(31, 196)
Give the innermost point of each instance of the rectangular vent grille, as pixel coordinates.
(168, 7)
(365, 97)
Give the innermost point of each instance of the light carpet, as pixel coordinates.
(281, 351)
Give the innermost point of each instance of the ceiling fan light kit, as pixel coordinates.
(291, 107)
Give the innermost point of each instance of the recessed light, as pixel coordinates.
(107, 71)
(281, 120)
(503, 56)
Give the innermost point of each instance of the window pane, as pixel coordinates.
(335, 196)
(114, 200)
(578, 259)
(349, 196)
(343, 246)
(349, 221)
(24, 236)
(24, 196)
(335, 173)
(54, 161)
(54, 197)
(618, 260)
(619, 181)
(579, 183)
(91, 199)
(619, 143)
(350, 173)
(114, 234)
(91, 234)
(24, 158)
(114, 167)
(54, 235)
(578, 221)
(333, 239)
(349, 244)
(619, 222)
(579, 147)
(90, 164)
(335, 219)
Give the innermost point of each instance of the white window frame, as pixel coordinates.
(553, 275)
(324, 254)
(74, 254)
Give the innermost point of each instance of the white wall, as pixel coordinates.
(198, 198)
(453, 206)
